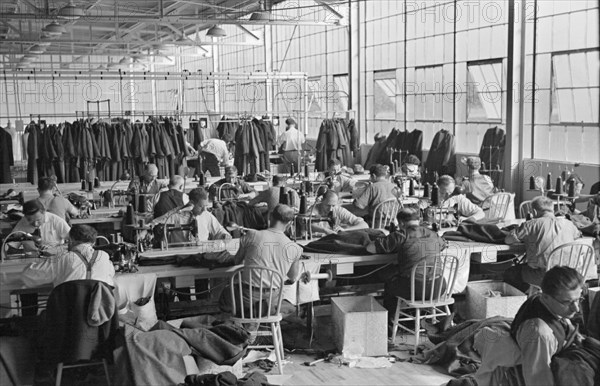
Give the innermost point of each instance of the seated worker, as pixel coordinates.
(465, 209)
(340, 182)
(541, 236)
(207, 225)
(271, 196)
(380, 190)
(80, 260)
(269, 248)
(340, 219)
(172, 198)
(540, 330)
(477, 187)
(412, 243)
(214, 153)
(58, 205)
(52, 229)
(410, 167)
(240, 190)
(148, 183)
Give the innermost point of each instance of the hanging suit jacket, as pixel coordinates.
(375, 152)
(496, 138)
(6, 156)
(442, 156)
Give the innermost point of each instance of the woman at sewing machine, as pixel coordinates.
(464, 209)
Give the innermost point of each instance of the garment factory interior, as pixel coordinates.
(299, 192)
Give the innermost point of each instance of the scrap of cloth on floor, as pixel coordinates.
(350, 242)
(156, 357)
(226, 379)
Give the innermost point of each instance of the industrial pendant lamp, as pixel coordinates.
(37, 49)
(261, 14)
(216, 31)
(70, 12)
(54, 29)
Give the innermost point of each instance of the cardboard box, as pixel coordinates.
(360, 322)
(481, 305)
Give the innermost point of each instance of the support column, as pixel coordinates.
(268, 47)
(515, 92)
(216, 68)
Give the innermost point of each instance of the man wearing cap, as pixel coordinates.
(52, 229)
(477, 187)
(290, 143)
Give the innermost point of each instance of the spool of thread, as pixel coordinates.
(142, 204)
(391, 166)
(435, 195)
(306, 173)
(572, 188)
(532, 183)
(426, 190)
(134, 201)
(83, 185)
(549, 181)
(90, 186)
(411, 188)
(292, 169)
(564, 175)
(435, 227)
(129, 219)
(303, 204)
(558, 189)
(291, 201)
(96, 182)
(141, 223)
(201, 181)
(283, 197)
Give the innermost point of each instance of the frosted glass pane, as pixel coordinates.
(591, 139)
(583, 109)
(595, 102)
(562, 71)
(565, 105)
(579, 70)
(593, 62)
(558, 142)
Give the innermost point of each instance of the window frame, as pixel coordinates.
(389, 74)
(482, 120)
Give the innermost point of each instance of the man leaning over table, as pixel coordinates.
(541, 236)
(380, 190)
(339, 219)
(465, 209)
(75, 264)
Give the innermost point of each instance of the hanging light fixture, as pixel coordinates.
(37, 49)
(216, 31)
(70, 12)
(262, 14)
(29, 57)
(54, 29)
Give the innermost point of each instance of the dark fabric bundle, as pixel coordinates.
(351, 242)
(485, 233)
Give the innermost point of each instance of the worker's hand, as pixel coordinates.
(49, 250)
(305, 277)
(450, 221)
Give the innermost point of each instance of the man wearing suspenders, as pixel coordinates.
(79, 263)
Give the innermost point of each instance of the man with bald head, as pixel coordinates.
(477, 187)
(340, 219)
(148, 183)
(172, 198)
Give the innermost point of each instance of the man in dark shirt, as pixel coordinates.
(412, 243)
(240, 188)
(172, 198)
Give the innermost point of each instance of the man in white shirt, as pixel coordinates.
(214, 152)
(207, 225)
(477, 187)
(52, 229)
(341, 181)
(340, 219)
(466, 210)
(58, 205)
(290, 144)
(81, 262)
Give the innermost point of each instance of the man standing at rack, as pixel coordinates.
(214, 153)
(290, 144)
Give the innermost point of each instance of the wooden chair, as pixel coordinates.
(525, 208)
(575, 255)
(496, 206)
(264, 309)
(440, 294)
(385, 213)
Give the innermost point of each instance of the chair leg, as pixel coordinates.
(417, 328)
(395, 322)
(280, 337)
(276, 347)
(59, 370)
(106, 373)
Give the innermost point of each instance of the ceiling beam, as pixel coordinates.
(175, 19)
(125, 41)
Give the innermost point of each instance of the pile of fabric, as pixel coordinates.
(337, 139)
(82, 150)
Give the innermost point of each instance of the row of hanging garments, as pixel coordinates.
(252, 141)
(83, 150)
(338, 139)
(398, 145)
(6, 155)
(441, 159)
(492, 153)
